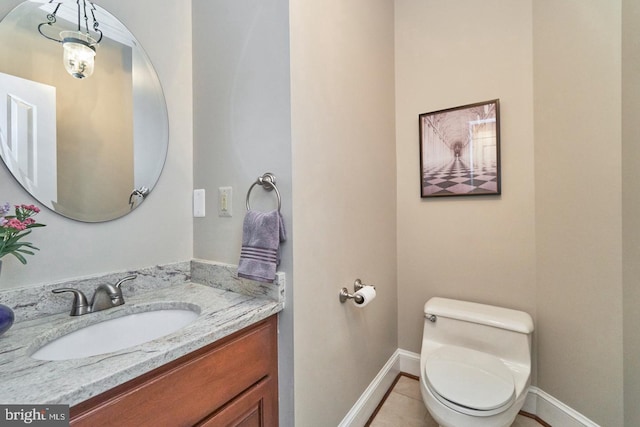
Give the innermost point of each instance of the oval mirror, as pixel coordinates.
(90, 148)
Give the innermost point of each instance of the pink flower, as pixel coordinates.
(12, 229)
(16, 224)
(32, 208)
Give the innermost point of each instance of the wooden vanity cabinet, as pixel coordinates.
(232, 382)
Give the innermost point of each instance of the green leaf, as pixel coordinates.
(20, 257)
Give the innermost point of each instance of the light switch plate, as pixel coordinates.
(225, 207)
(198, 203)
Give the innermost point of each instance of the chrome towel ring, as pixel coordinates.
(268, 182)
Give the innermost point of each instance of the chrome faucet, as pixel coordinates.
(105, 296)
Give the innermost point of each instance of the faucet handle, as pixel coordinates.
(80, 305)
(118, 299)
(125, 279)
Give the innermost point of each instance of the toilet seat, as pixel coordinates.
(469, 381)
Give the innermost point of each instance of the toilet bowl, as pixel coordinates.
(475, 363)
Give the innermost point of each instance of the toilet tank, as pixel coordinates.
(503, 332)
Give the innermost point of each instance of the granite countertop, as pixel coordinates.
(29, 381)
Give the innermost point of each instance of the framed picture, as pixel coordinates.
(460, 151)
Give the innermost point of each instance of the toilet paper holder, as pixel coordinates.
(357, 285)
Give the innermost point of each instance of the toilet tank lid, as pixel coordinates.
(499, 317)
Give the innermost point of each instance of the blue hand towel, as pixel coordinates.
(262, 233)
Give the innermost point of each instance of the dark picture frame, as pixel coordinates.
(460, 151)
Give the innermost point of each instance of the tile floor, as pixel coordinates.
(404, 408)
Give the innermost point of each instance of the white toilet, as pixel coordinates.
(475, 363)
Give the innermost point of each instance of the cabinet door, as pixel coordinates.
(257, 407)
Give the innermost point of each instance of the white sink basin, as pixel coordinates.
(116, 334)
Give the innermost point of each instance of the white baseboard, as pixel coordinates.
(372, 396)
(552, 411)
(537, 402)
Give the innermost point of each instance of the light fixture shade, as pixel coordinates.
(79, 53)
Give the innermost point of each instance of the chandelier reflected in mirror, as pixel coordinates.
(79, 45)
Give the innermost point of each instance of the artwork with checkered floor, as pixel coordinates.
(460, 151)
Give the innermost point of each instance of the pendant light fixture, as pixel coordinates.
(79, 47)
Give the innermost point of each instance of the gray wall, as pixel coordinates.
(241, 130)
